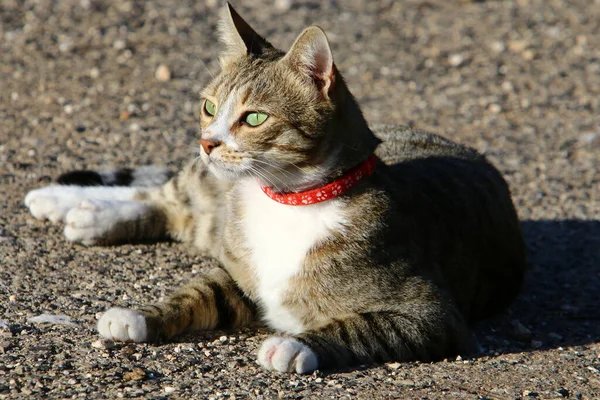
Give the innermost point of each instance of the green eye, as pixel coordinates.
(256, 118)
(210, 107)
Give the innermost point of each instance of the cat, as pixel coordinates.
(350, 260)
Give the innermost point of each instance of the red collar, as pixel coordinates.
(327, 192)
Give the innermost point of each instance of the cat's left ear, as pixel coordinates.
(311, 55)
(239, 37)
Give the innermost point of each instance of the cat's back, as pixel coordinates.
(460, 214)
(401, 143)
(419, 161)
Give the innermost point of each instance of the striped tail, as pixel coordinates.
(146, 176)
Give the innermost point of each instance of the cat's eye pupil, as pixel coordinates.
(210, 107)
(256, 118)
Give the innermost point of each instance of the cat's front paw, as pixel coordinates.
(287, 355)
(48, 204)
(123, 325)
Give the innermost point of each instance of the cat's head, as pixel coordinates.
(284, 118)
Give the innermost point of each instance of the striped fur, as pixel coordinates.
(212, 301)
(148, 176)
(394, 269)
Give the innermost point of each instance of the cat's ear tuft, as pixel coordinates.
(311, 55)
(239, 37)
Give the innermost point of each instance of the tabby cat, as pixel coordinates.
(351, 260)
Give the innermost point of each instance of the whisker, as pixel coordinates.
(260, 174)
(275, 166)
(284, 184)
(294, 165)
(191, 46)
(263, 173)
(272, 165)
(205, 66)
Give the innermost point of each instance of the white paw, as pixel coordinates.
(54, 202)
(49, 203)
(90, 221)
(123, 325)
(94, 220)
(287, 355)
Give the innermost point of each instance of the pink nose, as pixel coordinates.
(209, 145)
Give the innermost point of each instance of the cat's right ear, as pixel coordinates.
(239, 38)
(311, 55)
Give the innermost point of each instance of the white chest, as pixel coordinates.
(279, 237)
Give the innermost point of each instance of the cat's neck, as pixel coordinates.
(340, 156)
(348, 143)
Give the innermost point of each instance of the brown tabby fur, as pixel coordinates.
(431, 243)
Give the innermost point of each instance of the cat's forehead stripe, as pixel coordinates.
(245, 95)
(246, 75)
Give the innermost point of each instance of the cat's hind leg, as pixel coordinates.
(111, 214)
(54, 202)
(97, 221)
(419, 332)
(211, 301)
(99, 214)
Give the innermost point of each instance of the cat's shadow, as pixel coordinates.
(559, 303)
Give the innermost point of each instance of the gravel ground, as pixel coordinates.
(87, 84)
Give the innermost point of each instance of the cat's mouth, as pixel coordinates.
(243, 167)
(235, 165)
(226, 166)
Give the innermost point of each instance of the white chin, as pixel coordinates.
(223, 173)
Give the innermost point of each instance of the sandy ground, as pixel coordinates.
(519, 80)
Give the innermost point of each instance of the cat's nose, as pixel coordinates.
(209, 145)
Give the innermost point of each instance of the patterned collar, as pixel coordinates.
(327, 192)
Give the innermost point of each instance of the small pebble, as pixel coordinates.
(589, 138)
(163, 73)
(136, 374)
(283, 5)
(517, 46)
(495, 108)
(103, 344)
(119, 44)
(456, 59)
(507, 86)
(393, 365)
(520, 332)
(65, 46)
(497, 46)
(169, 390)
(528, 55)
